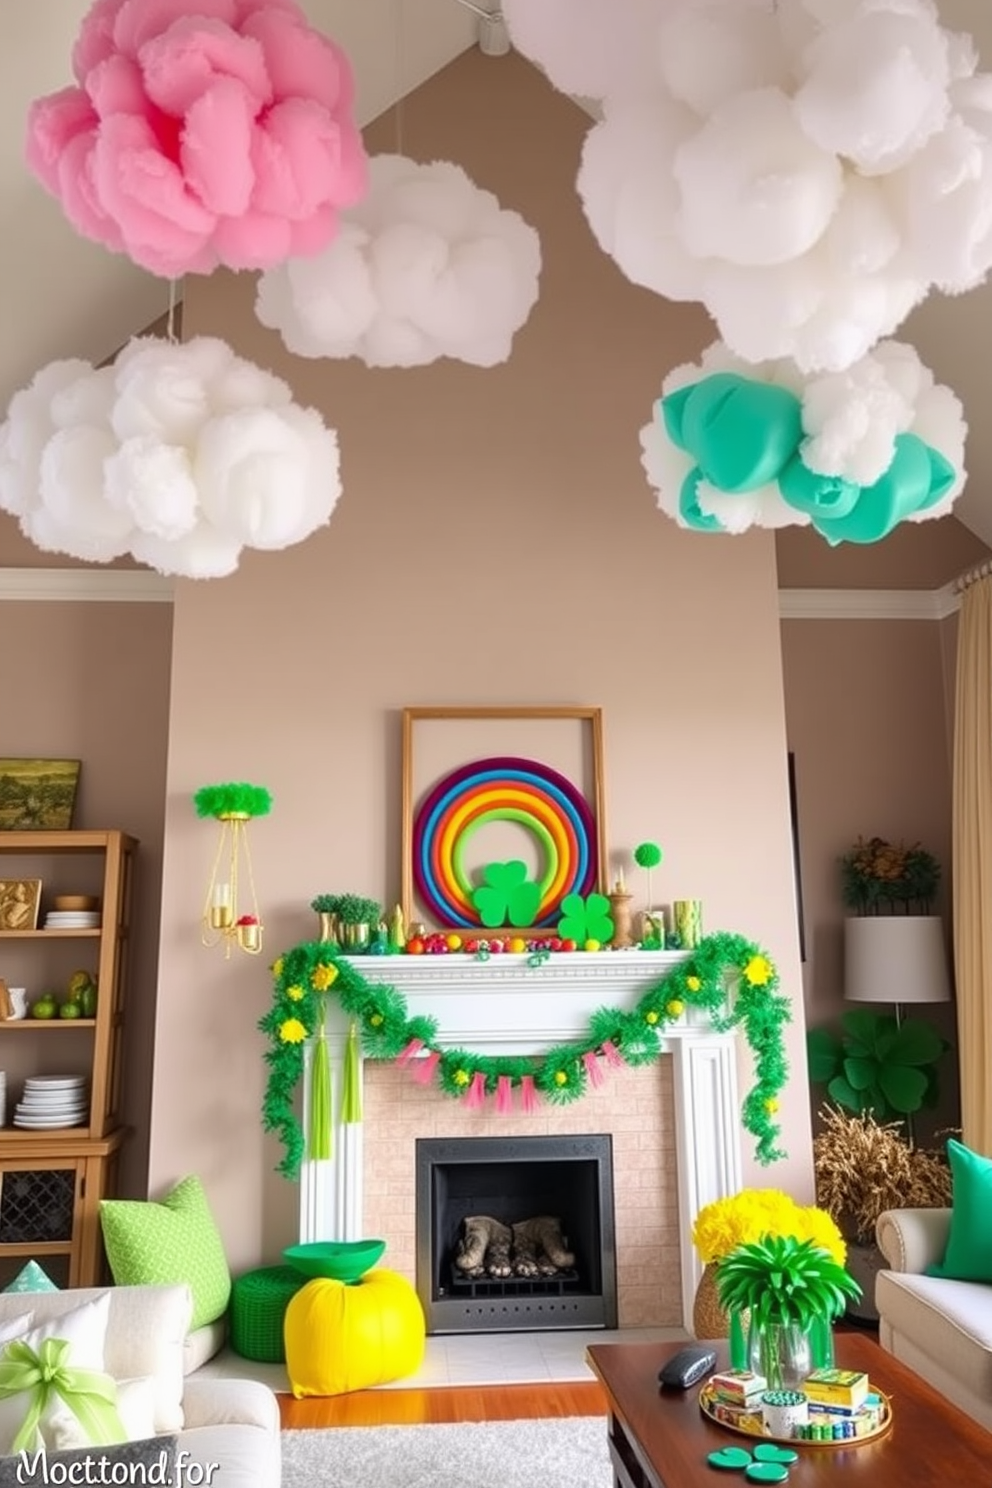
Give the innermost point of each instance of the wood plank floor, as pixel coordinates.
(451, 1403)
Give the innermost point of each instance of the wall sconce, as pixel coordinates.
(230, 914)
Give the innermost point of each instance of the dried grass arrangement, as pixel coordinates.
(862, 1169)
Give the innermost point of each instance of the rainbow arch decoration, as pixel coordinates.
(505, 788)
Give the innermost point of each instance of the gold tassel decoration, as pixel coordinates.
(351, 1094)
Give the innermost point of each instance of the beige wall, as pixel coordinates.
(496, 543)
(91, 682)
(867, 720)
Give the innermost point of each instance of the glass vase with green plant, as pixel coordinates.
(793, 1290)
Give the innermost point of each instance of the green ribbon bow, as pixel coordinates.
(90, 1395)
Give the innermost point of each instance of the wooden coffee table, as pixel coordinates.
(661, 1439)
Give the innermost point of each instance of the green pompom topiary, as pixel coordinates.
(236, 798)
(647, 855)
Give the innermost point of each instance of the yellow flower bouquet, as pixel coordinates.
(752, 1214)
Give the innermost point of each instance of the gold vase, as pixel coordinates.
(327, 928)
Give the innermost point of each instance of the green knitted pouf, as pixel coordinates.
(258, 1306)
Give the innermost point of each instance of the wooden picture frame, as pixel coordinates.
(20, 902)
(530, 776)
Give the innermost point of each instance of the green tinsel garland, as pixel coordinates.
(727, 975)
(235, 798)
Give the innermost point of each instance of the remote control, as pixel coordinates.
(687, 1367)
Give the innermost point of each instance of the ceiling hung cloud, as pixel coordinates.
(181, 455)
(427, 265)
(735, 444)
(194, 137)
(809, 170)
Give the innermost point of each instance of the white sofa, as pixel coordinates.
(232, 1422)
(942, 1329)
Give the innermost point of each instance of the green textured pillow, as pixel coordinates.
(968, 1256)
(31, 1278)
(172, 1240)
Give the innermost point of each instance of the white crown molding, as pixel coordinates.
(868, 604)
(117, 585)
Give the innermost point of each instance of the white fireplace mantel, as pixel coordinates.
(505, 1005)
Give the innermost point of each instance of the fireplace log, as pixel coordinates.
(484, 1247)
(540, 1248)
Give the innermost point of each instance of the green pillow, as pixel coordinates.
(176, 1239)
(31, 1278)
(968, 1256)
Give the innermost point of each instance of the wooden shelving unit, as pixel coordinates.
(52, 1180)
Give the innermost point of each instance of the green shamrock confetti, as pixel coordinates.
(506, 895)
(586, 918)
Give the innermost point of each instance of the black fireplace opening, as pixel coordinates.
(512, 1179)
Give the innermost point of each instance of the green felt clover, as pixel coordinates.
(766, 1472)
(586, 918)
(769, 1452)
(506, 895)
(730, 1459)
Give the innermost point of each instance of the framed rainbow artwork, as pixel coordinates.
(459, 814)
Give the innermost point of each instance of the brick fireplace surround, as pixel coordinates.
(674, 1124)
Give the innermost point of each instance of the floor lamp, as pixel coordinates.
(898, 959)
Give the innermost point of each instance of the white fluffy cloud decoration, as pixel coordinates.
(588, 47)
(849, 429)
(181, 455)
(428, 265)
(808, 190)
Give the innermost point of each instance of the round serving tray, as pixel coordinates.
(751, 1426)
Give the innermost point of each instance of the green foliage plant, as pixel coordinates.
(353, 909)
(785, 1281)
(879, 876)
(877, 1064)
(325, 903)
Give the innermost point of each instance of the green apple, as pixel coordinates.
(70, 1010)
(45, 1007)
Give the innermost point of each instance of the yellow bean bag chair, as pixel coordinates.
(340, 1338)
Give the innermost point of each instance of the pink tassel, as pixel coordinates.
(504, 1095)
(596, 1076)
(412, 1049)
(611, 1054)
(528, 1095)
(422, 1070)
(475, 1095)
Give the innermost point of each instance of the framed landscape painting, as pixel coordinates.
(37, 795)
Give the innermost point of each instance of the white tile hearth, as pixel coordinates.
(474, 1359)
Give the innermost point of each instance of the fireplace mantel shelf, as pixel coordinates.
(509, 1006)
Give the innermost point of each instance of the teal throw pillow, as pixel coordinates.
(31, 1278)
(968, 1256)
(175, 1239)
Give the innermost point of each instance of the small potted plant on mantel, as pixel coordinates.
(349, 919)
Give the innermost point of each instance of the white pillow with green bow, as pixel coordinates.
(57, 1365)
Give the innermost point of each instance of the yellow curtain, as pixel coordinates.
(972, 861)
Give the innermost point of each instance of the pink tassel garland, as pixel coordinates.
(611, 1054)
(422, 1070)
(475, 1095)
(504, 1095)
(528, 1095)
(596, 1076)
(412, 1049)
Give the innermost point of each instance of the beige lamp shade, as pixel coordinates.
(895, 958)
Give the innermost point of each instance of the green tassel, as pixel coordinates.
(319, 1145)
(351, 1094)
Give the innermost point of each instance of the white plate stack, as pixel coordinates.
(52, 1101)
(72, 919)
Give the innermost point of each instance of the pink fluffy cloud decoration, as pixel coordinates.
(428, 265)
(217, 134)
(875, 444)
(181, 455)
(810, 170)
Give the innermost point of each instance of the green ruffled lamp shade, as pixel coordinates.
(341, 1260)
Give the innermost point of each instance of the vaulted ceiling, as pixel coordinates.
(62, 296)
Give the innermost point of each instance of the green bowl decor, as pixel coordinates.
(341, 1260)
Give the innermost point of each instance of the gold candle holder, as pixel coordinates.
(249, 936)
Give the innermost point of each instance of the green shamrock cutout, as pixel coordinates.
(585, 919)
(731, 1459)
(506, 895)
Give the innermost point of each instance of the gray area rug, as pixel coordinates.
(569, 1452)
